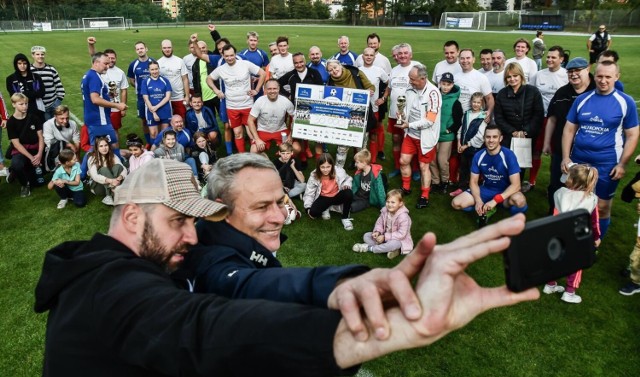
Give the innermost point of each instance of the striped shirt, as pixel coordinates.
(52, 84)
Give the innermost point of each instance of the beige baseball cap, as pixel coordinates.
(168, 182)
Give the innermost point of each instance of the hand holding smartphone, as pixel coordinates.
(549, 248)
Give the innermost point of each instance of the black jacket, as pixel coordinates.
(522, 111)
(290, 79)
(112, 313)
(30, 85)
(234, 265)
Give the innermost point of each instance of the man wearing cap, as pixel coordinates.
(602, 130)
(114, 309)
(580, 81)
(53, 89)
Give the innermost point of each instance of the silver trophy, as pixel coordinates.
(402, 103)
(113, 92)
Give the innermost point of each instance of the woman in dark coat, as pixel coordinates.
(518, 111)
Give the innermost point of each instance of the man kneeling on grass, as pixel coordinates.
(501, 172)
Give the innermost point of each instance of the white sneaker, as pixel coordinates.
(108, 200)
(393, 254)
(326, 215)
(62, 203)
(549, 289)
(4, 172)
(347, 224)
(571, 298)
(360, 247)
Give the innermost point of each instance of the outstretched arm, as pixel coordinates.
(449, 297)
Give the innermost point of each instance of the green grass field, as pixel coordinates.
(544, 338)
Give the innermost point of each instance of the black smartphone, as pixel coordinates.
(548, 249)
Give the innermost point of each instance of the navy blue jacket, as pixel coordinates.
(230, 263)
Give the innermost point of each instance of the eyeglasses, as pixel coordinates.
(574, 71)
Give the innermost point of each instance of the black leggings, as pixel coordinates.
(344, 197)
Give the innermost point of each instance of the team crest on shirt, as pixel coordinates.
(596, 119)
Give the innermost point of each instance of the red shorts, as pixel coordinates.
(392, 129)
(412, 146)
(116, 119)
(178, 107)
(238, 117)
(268, 137)
(539, 142)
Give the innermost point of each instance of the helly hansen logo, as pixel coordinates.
(258, 258)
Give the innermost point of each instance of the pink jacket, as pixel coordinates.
(400, 227)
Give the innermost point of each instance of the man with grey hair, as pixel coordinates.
(236, 259)
(345, 56)
(398, 84)
(496, 76)
(421, 123)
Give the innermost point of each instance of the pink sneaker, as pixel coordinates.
(455, 193)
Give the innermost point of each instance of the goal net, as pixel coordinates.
(103, 23)
(463, 20)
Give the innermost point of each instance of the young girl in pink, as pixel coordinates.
(139, 154)
(579, 193)
(392, 232)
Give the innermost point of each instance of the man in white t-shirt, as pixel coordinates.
(496, 76)
(174, 70)
(373, 41)
(236, 75)
(189, 60)
(450, 63)
(486, 64)
(376, 76)
(398, 84)
(268, 118)
(283, 62)
(550, 79)
(529, 66)
(471, 81)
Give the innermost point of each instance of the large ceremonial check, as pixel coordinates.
(329, 114)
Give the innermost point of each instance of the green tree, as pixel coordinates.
(499, 5)
(321, 10)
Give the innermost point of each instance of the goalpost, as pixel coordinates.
(464, 20)
(103, 23)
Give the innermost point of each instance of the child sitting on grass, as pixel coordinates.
(139, 154)
(579, 193)
(392, 232)
(369, 183)
(66, 180)
(329, 186)
(290, 171)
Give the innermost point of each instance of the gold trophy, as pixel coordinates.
(402, 103)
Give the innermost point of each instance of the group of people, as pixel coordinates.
(454, 134)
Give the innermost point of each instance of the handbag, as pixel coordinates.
(521, 147)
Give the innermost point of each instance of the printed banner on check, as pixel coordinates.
(332, 115)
